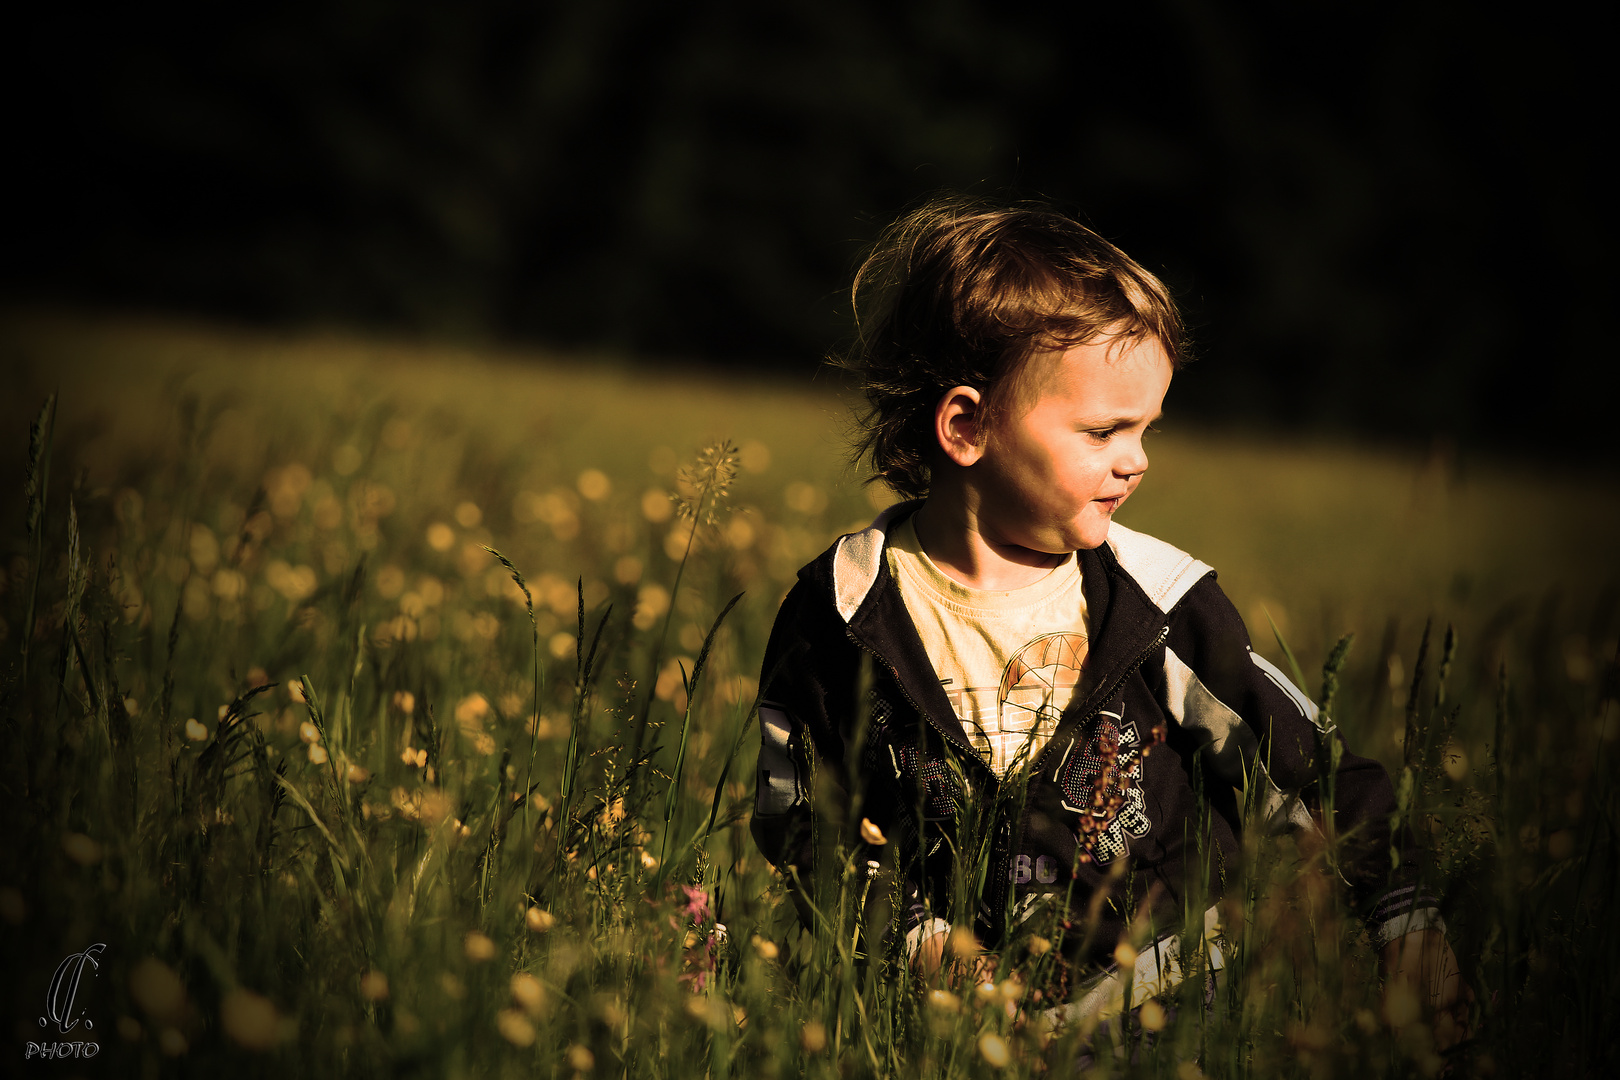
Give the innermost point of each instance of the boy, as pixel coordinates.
(999, 634)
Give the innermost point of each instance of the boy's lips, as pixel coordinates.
(1111, 504)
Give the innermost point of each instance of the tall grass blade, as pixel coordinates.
(36, 491)
(691, 685)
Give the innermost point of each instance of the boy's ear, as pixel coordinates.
(958, 425)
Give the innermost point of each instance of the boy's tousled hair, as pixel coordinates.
(962, 292)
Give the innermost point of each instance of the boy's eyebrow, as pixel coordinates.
(1116, 421)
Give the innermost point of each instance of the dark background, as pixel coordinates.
(1381, 219)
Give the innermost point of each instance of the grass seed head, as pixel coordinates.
(478, 947)
(595, 485)
(657, 505)
(250, 1019)
(710, 1011)
(157, 990)
(515, 1027)
(374, 986)
(529, 994)
(472, 710)
(1315, 1036)
(81, 849)
(704, 484)
(993, 1048)
(539, 920)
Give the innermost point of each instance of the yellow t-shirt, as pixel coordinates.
(1009, 661)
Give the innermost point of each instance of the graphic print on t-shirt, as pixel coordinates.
(1101, 776)
(1019, 715)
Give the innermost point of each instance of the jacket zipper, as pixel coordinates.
(1159, 639)
(905, 693)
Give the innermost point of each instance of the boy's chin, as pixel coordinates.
(1092, 535)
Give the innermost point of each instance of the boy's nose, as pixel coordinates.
(1133, 463)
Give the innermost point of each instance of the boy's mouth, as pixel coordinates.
(1110, 505)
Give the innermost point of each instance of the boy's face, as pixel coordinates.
(1054, 470)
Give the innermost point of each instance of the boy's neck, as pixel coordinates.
(967, 550)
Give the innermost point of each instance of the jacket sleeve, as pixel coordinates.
(1257, 727)
(782, 823)
(804, 802)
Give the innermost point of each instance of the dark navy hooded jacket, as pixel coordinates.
(855, 725)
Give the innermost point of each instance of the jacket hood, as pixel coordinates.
(1162, 571)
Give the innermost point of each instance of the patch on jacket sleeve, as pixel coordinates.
(1101, 777)
(1228, 743)
(779, 787)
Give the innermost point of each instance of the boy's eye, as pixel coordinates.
(1102, 434)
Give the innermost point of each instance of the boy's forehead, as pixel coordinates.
(1112, 364)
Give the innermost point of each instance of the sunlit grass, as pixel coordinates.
(344, 794)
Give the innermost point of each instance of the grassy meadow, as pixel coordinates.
(344, 793)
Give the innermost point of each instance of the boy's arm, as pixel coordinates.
(1258, 727)
(782, 824)
(807, 685)
(1262, 727)
(802, 798)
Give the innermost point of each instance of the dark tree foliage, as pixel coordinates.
(1379, 219)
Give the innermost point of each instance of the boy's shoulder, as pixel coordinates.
(849, 568)
(1164, 572)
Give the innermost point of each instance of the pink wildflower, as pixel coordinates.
(697, 904)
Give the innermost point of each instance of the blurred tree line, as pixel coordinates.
(1380, 218)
